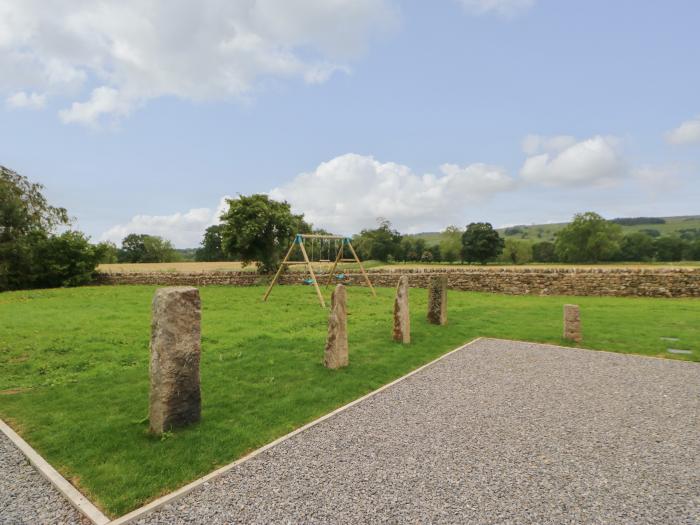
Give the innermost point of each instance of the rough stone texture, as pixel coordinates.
(26, 497)
(175, 398)
(437, 300)
(647, 282)
(402, 318)
(336, 352)
(499, 432)
(572, 323)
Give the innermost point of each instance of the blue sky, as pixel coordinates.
(142, 116)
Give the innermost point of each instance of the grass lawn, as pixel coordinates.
(74, 368)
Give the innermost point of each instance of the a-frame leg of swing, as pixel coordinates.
(279, 272)
(313, 275)
(362, 269)
(335, 264)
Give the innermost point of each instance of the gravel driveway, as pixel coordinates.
(500, 432)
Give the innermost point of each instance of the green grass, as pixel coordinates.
(74, 369)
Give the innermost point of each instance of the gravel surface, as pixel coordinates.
(25, 496)
(500, 432)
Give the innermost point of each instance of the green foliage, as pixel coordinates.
(544, 252)
(257, 229)
(411, 248)
(588, 238)
(79, 358)
(669, 248)
(516, 252)
(142, 248)
(31, 255)
(637, 247)
(381, 243)
(107, 252)
(451, 244)
(212, 245)
(481, 243)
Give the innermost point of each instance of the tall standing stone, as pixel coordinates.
(175, 398)
(437, 300)
(402, 319)
(572, 323)
(336, 353)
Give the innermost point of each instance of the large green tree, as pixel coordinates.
(211, 248)
(257, 229)
(31, 254)
(142, 248)
(588, 238)
(481, 243)
(451, 244)
(381, 244)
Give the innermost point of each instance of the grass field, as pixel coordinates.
(74, 368)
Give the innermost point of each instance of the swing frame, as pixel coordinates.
(299, 241)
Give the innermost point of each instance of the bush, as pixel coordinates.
(65, 260)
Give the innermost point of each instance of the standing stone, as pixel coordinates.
(572, 323)
(336, 353)
(175, 398)
(402, 319)
(437, 300)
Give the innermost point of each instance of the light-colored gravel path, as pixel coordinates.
(25, 496)
(500, 432)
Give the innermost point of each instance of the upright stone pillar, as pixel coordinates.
(336, 353)
(175, 398)
(437, 300)
(402, 319)
(572, 323)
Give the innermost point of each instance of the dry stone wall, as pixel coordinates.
(647, 282)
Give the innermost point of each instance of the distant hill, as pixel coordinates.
(687, 226)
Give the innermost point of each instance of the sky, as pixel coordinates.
(144, 116)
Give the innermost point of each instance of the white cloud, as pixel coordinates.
(501, 7)
(185, 230)
(658, 178)
(22, 100)
(687, 133)
(126, 52)
(559, 161)
(349, 192)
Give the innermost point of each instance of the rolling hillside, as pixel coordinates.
(684, 225)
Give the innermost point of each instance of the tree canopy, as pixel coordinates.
(481, 243)
(257, 229)
(588, 238)
(142, 248)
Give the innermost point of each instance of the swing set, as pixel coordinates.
(339, 258)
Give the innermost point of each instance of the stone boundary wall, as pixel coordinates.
(655, 282)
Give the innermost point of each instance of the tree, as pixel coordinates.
(142, 248)
(670, 248)
(544, 252)
(516, 252)
(588, 238)
(636, 247)
(481, 243)
(379, 244)
(451, 244)
(108, 253)
(257, 229)
(31, 254)
(211, 248)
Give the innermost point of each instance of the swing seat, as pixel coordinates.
(341, 277)
(309, 281)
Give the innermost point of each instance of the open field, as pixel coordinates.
(74, 368)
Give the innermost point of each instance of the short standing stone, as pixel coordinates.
(336, 353)
(175, 398)
(572, 323)
(402, 319)
(437, 300)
